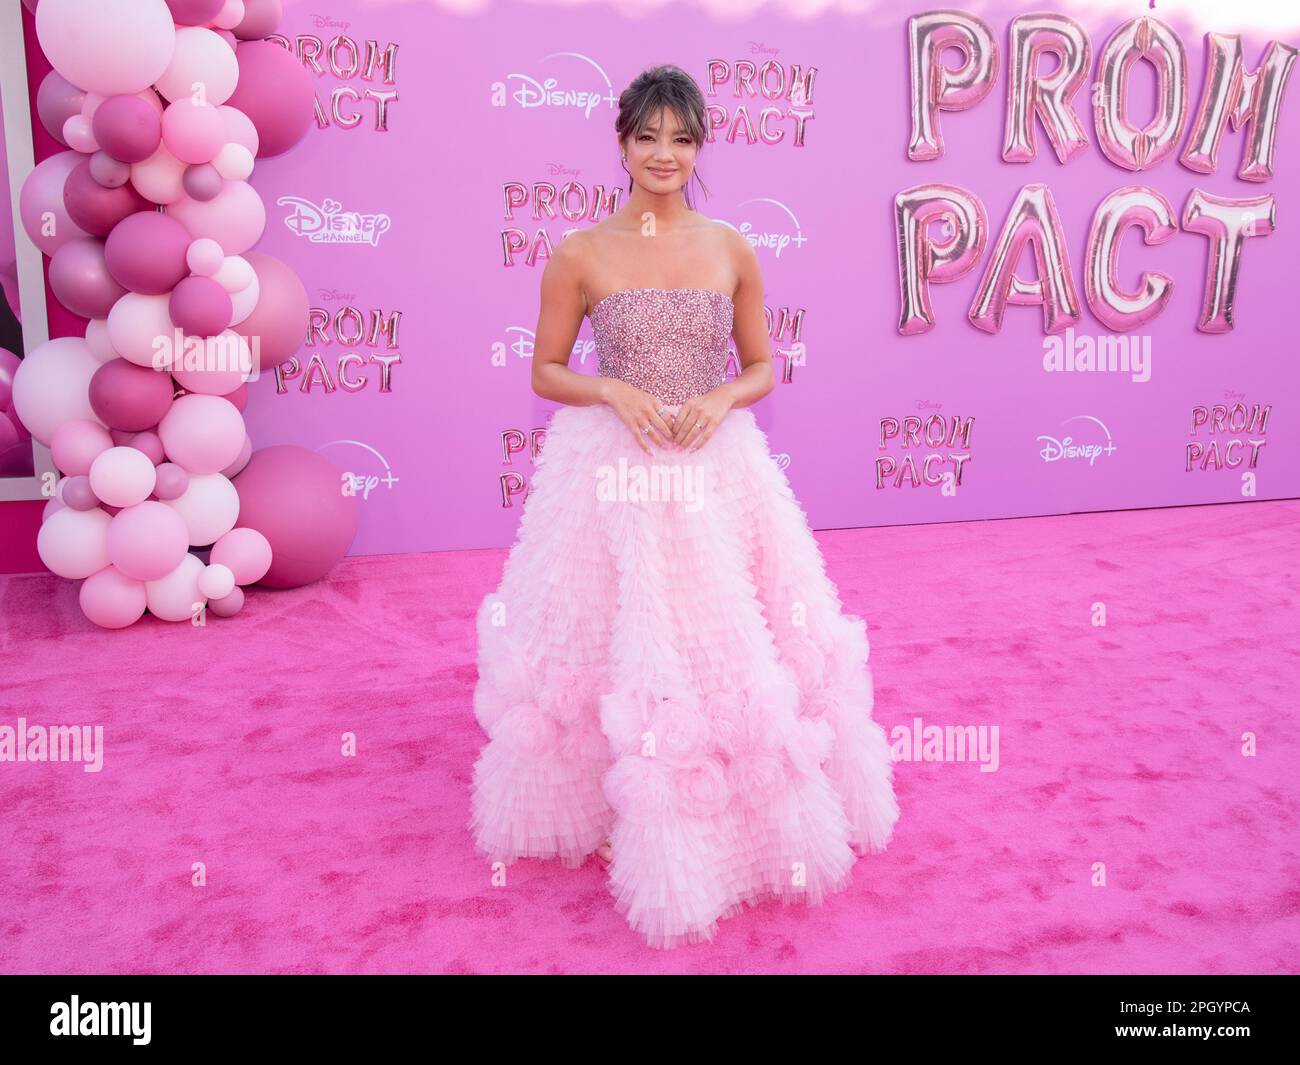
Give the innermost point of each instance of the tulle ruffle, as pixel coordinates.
(680, 679)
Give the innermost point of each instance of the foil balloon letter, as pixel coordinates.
(1125, 145)
(1033, 220)
(934, 87)
(1133, 205)
(921, 259)
(1049, 97)
(1234, 95)
(1229, 224)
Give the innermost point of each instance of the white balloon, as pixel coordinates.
(176, 596)
(74, 543)
(209, 507)
(201, 57)
(107, 46)
(141, 329)
(52, 386)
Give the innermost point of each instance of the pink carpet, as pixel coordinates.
(1122, 832)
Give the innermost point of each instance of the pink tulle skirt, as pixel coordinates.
(666, 665)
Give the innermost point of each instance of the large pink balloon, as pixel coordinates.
(130, 397)
(276, 92)
(294, 498)
(194, 132)
(234, 218)
(128, 127)
(201, 57)
(147, 541)
(77, 444)
(261, 17)
(176, 597)
(111, 599)
(52, 386)
(277, 328)
(202, 433)
(80, 279)
(209, 507)
(107, 46)
(45, 217)
(245, 552)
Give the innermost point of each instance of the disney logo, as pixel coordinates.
(560, 169)
(758, 48)
(928, 404)
(328, 223)
(337, 294)
(328, 22)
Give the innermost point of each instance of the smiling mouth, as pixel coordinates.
(662, 173)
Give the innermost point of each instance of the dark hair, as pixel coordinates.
(657, 87)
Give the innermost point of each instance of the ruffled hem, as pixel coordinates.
(680, 679)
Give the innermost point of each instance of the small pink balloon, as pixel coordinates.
(122, 477)
(108, 171)
(97, 209)
(81, 280)
(216, 581)
(193, 132)
(129, 397)
(128, 128)
(246, 552)
(200, 306)
(77, 493)
(76, 444)
(172, 480)
(202, 182)
(150, 444)
(79, 135)
(234, 162)
(205, 256)
(111, 599)
(146, 252)
(147, 541)
(228, 606)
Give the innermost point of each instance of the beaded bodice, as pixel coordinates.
(670, 342)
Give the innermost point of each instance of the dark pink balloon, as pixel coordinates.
(150, 443)
(291, 496)
(127, 128)
(261, 17)
(170, 481)
(276, 93)
(78, 494)
(228, 606)
(80, 280)
(200, 306)
(195, 12)
(201, 181)
(57, 100)
(146, 252)
(279, 321)
(108, 171)
(97, 209)
(129, 397)
(239, 397)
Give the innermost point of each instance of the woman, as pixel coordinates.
(665, 673)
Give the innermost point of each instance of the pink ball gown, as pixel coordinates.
(665, 662)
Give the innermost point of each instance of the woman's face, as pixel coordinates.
(661, 156)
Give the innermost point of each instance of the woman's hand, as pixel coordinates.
(638, 410)
(699, 416)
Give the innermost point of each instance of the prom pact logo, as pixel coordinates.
(328, 223)
(529, 92)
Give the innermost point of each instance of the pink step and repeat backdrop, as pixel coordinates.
(459, 143)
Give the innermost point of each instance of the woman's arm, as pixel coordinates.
(749, 328)
(563, 304)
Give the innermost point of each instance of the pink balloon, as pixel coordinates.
(128, 128)
(245, 552)
(122, 476)
(261, 17)
(147, 541)
(194, 132)
(159, 177)
(40, 203)
(108, 172)
(78, 134)
(111, 599)
(214, 366)
(1124, 144)
(194, 12)
(78, 494)
(935, 87)
(97, 209)
(74, 543)
(76, 444)
(176, 596)
(80, 278)
(52, 386)
(202, 181)
(142, 332)
(1034, 221)
(172, 481)
(208, 506)
(107, 46)
(57, 100)
(276, 92)
(235, 218)
(202, 433)
(228, 606)
(921, 260)
(236, 467)
(216, 582)
(130, 397)
(149, 443)
(146, 253)
(239, 397)
(1133, 205)
(239, 128)
(293, 497)
(201, 57)
(205, 257)
(277, 328)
